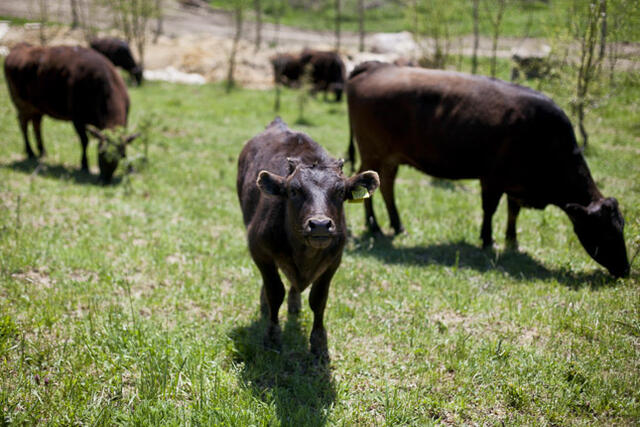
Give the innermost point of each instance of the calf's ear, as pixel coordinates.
(271, 184)
(293, 163)
(129, 139)
(368, 180)
(94, 131)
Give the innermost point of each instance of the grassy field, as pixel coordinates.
(521, 18)
(137, 303)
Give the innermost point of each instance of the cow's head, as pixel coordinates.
(314, 196)
(600, 228)
(112, 146)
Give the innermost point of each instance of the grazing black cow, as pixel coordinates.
(326, 70)
(457, 126)
(70, 83)
(287, 69)
(292, 193)
(119, 54)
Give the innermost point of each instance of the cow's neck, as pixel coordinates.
(579, 187)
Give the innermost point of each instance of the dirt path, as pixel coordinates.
(188, 21)
(198, 40)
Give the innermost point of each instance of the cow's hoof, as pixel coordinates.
(273, 338)
(399, 230)
(488, 245)
(511, 245)
(318, 344)
(376, 233)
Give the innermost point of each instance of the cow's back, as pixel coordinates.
(453, 125)
(67, 83)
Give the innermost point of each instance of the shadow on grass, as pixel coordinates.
(300, 387)
(463, 255)
(61, 172)
(445, 184)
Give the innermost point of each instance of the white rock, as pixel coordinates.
(4, 28)
(170, 74)
(400, 43)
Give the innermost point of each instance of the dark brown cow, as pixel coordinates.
(457, 126)
(119, 54)
(70, 83)
(292, 193)
(327, 70)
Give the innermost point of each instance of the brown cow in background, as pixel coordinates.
(513, 139)
(70, 83)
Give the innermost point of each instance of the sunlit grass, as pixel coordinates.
(138, 302)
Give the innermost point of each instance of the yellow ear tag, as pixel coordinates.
(358, 194)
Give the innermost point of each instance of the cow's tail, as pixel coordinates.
(351, 151)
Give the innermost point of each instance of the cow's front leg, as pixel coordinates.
(513, 208)
(37, 129)
(318, 301)
(490, 200)
(387, 179)
(24, 128)
(369, 214)
(81, 130)
(271, 296)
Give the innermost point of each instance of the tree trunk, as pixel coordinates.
(276, 105)
(75, 21)
(603, 29)
(496, 34)
(159, 21)
(44, 18)
(361, 23)
(234, 47)
(476, 37)
(415, 18)
(338, 19)
(258, 8)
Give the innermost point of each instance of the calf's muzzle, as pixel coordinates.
(319, 226)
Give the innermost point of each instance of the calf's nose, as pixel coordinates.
(320, 225)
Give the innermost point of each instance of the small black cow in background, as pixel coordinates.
(287, 69)
(326, 69)
(119, 54)
(292, 193)
(458, 126)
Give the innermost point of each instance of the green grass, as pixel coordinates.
(521, 18)
(15, 20)
(137, 303)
